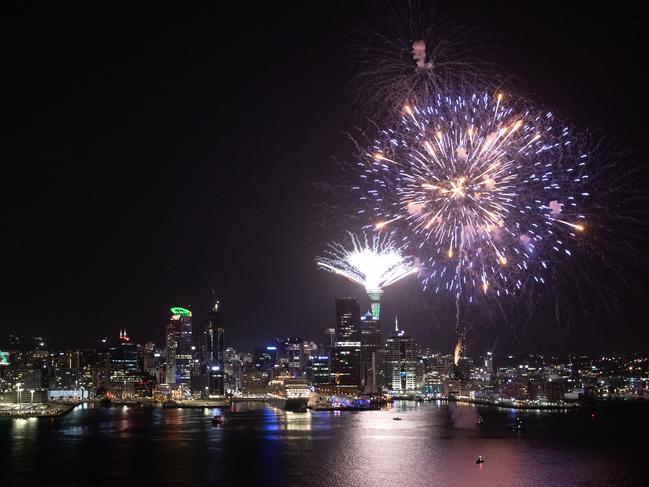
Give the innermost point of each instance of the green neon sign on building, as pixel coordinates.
(180, 311)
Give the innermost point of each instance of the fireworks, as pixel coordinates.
(373, 263)
(411, 51)
(486, 190)
(457, 352)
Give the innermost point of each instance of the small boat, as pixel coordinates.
(481, 420)
(397, 418)
(479, 460)
(518, 426)
(217, 420)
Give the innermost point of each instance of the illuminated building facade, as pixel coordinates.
(178, 351)
(400, 362)
(124, 354)
(346, 355)
(318, 370)
(292, 354)
(214, 349)
(370, 345)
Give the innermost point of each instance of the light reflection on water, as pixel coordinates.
(434, 444)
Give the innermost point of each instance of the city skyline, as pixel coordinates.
(370, 243)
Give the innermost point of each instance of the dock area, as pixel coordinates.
(36, 410)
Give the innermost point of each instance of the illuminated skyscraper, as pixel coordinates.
(400, 361)
(346, 355)
(124, 354)
(370, 344)
(292, 354)
(178, 352)
(214, 348)
(318, 372)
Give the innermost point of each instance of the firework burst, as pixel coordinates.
(373, 263)
(486, 190)
(412, 51)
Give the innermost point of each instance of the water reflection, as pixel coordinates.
(433, 444)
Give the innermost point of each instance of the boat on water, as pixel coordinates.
(293, 404)
(217, 420)
(479, 460)
(319, 402)
(289, 394)
(397, 419)
(481, 420)
(518, 426)
(382, 400)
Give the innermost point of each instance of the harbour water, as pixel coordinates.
(433, 444)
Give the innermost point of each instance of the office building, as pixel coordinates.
(214, 349)
(400, 362)
(370, 345)
(178, 351)
(346, 355)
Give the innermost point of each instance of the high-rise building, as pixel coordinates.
(292, 353)
(489, 363)
(214, 349)
(253, 381)
(370, 344)
(400, 361)
(124, 354)
(318, 372)
(153, 362)
(346, 355)
(178, 351)
(127, 379)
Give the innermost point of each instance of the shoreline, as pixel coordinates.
(511, 405)
(53, 410)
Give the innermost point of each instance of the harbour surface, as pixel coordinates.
(433, 444)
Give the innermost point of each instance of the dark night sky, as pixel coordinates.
(152, 155)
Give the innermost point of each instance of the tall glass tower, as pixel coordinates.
(215, 348)
(400, 361)
(346, 355)
(178, 350)
(370, 345)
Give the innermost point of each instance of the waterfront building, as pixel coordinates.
(318, 371)
(253, 382)
(370, 345)
(178, 351)
(213, 349)
(400, 362)
(346, 355)
(124, 354)
(292, 356)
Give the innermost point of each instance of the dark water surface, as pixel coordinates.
(434, 444)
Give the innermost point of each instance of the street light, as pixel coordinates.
(19, 395)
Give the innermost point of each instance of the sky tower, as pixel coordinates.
(373, 263)
(375, 302)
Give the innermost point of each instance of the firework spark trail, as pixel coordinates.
(372, 263)
(411, 51)
(487, 190)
